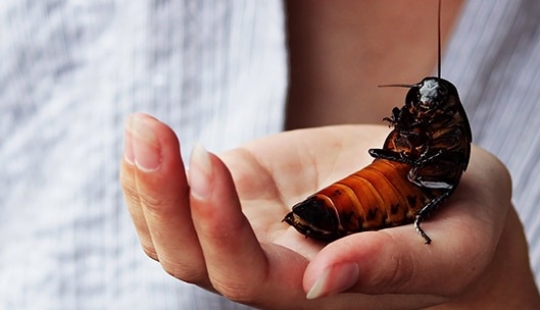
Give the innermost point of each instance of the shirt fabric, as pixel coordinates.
(494, 60)
(70, 71)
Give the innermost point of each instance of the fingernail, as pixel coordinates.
(128, 142)
(334, 280)
(146, 150)
(200, 170)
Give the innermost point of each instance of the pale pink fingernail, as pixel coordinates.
(128, 142)
(334, 280)
(146, 149)
(200, 170)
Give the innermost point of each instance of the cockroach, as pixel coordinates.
(418, 167)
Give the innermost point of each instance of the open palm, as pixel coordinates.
(223, 231)
(274, 173)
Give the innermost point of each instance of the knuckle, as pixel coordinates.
(127, 178)
(152, 199)
(194, 273)
(150, 252)
(399, 269)
(402, 270)
(184, 273)
(156, 203)
(502, 173)
(131, 196)
(129, 188)
(235, 290)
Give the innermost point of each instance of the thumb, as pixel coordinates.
(465, 233)
(376, 263)
(395, 261)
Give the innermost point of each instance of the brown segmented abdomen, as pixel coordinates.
(372, 198)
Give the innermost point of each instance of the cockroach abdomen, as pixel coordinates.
(315, 217)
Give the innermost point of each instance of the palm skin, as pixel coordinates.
(222, 230)
(314, 157)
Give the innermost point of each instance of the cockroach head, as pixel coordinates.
(430, 94)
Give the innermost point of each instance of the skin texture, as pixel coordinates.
(340, 51)
(222, 230)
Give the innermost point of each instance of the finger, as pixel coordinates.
(164, 197)
(131, 193)
(239, 267)
(234, 257)
(465, 233)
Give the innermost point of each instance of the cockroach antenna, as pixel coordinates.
(398, 85)
(439, 57)
(439, 42)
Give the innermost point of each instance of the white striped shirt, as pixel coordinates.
(216, 71)
(494, 60)
(70, 71)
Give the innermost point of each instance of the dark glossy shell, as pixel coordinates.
(419, 166)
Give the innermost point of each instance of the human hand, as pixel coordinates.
(224, 233)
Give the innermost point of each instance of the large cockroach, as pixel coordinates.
(418, 167)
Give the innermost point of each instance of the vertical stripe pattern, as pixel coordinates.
(494, 60)
(70, 71)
